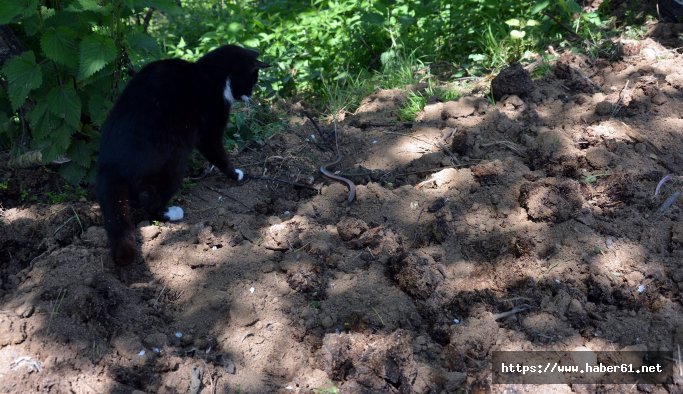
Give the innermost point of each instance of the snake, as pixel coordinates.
(328, 174)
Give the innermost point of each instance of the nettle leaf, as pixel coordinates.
(98, 108)
(165, 6)
(95, 53)
(88, 5)
(81, 152)
(23, 75)
(73, 172)
(142, 43)
(56, 143)
(64, 102)
(60, 46)
(10, 9)
(42, 121)
(540, 6)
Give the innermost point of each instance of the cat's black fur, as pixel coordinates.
(168, 108)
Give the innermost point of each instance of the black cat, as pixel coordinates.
(166, 110)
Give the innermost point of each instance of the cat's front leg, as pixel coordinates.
(215, 154)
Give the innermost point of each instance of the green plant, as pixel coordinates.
(27, 196)
(314, 304)
(544, 66)
(70, 193)
(413, 105)
(61, 88)
(254, 122)
(592, 178)
(330, 389)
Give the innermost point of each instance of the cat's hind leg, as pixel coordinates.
(114, 197)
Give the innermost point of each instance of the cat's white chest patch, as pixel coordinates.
(227, 92)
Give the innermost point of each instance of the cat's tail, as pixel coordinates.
(114, 197)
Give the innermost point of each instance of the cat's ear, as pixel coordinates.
(259, 64)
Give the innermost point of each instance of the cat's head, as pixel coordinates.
(235, 69)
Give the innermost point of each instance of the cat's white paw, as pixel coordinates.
(173, 213)
(240, 174)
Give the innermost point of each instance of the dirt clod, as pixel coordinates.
(512, 80)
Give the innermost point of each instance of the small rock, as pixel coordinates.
(350, 228)
(127, 345)
(430, 113)
(675, 79)
(659, 99)
(581, 355)
(463, 142)
(514, 101)
(327, 321)
(227, 363)
(455, 381)
(274, 220)
(598, 157)
(25, 310)
(187, 340)
(677, 276)
(155, 340)
(95, 236)
(459, 109)
(575, 308)
(603, 108)
(677, 234)
(148, 233)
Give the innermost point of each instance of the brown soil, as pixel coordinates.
(543, 201)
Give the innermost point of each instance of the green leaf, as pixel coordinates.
(98, 108)
(96, 52)
(532, 22)
(10, 9)
(540, 6)
(23, 75)
(74, 173)
(60, 46)
(517, 34)
(55, 143)
(88, 5)
(81, 152)
(165, 6)
(142, 43)
(251, 43)
(64, 102)
(513, 22)
(41, 120)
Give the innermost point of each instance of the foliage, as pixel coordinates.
(58, 92)
(331, 53)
